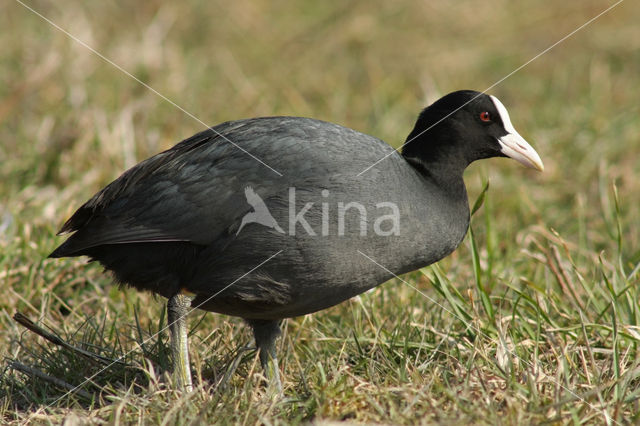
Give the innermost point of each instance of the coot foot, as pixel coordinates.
(177, 309)
(265, 332)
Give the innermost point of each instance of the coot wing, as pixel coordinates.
(195, 191)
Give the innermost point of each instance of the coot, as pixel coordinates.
(206, 225)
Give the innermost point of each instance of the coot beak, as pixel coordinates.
(514, 146)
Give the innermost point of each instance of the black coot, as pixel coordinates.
(275, 217)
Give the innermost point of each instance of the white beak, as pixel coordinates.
(513, 145)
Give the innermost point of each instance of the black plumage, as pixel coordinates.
(174, 222)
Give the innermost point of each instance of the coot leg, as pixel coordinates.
(177, 309)
(265, 332)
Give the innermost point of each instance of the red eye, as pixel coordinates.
(485, 116)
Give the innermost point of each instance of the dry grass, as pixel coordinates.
(536, 317)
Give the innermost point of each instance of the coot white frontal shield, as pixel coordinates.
(512, 144)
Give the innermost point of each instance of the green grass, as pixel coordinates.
(533, 319)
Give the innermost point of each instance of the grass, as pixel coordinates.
(534, 319)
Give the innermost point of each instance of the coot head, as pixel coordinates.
(465, 126)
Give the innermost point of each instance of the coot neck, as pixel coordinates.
(436, 152)
(441, 175)
(444, 205)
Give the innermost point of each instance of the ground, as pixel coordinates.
(533, 319)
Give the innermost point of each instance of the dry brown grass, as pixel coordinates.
(545, 328)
